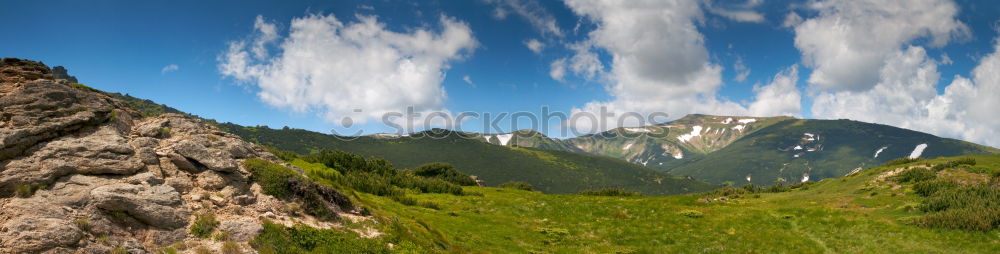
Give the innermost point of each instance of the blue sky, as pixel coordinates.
(126, 46)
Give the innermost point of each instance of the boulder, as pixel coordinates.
(214, 159)
(241, 231)
(158, 206)
(32, 235)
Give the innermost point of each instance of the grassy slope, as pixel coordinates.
(845, 145)
(548, 171)
(839, 215)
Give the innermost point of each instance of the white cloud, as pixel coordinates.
(169, 68)
(557, 70)
(867, 68)
(267, 33)
(780, 97)
(658, 59)
(906, 97)
(316, 68)
(742, 71)
(850, 40)
(531, 10)
(737, 12)
(534, 45)
(791, 20)
(468, 80)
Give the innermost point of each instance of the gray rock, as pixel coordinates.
(241, 231)
(211, 180)
(214, 159)
(158, 206)
(30, 235)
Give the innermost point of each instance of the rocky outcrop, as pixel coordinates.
(80, 171)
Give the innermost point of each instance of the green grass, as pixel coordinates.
(276, 238)
(840, 215)
(204, 224)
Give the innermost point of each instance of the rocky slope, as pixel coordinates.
(82, 172)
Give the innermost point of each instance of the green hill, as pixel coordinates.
(798, 150)
(548, 170)
(728, 149)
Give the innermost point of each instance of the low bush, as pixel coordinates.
(203, 225)
(444, 171)
(231, 247)
(611, 192)
(900, 161)
(691, 214)
(276, 238)
(928, 188)
(517, 185)
(286, 184)
(915, 175)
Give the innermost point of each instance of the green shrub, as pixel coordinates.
(517, 185)
(611, 192)
(928, 188)
(429, 204)
(970, 218)
(900, 161)
(24, 191)
(167, 250)
(273, 178)
(203, 225)
(444, 171)
(230, 247)
(275, 238)
(691, 214)
(118, 250)
(286, 184)
(82, 223)
(915, 175)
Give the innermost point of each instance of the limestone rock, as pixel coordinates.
(158, 206)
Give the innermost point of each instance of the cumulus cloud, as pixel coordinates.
(869, 67)
(658, 60)
(531, 10)
(534, 45)
(557, 70)
(849, 41)
(779, 98)
(316, 68)
(169, 68)
(906, 96)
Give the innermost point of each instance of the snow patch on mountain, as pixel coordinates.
(696, 131)
(627, 146)
(746, 121)
(678, 155)
(805, 177)
(880, 151)
(917, 151)
(738, 127)
(728, 120)
(798, 148)
(504, 138)
(636, 129)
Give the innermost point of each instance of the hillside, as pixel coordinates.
(725, 149)
(84, 172)
(878, 210)
(548, 170)
(799, 150)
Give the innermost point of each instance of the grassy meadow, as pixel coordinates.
(853, 214)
